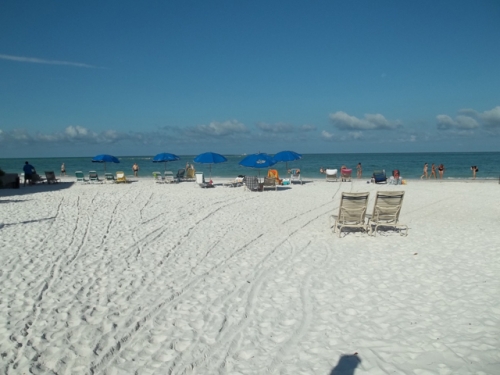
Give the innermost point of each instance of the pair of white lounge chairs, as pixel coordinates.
(353, 206)
(167, 178)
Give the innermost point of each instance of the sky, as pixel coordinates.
(234, 77)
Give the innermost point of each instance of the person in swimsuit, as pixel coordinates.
(63, 170)
(441, 171)
(433, 171)
(425, 172)
(474, 170)
(135, 168)
(360, 170)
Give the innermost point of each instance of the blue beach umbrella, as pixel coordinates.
(287, 156)
(164, 157)
(210, 158)
(259, 161)
(104, 158)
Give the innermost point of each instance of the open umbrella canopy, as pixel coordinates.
(210, 158)
(287, 156)
(164, 157)
(104, 158)
(260, 160)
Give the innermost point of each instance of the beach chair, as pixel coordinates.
(200, 180)
(252, 183)
(295, 176)
(346, 174)
(386, 211)
(120, 177)
(51, 177)
(331, 175)
(109, 177)
(238, 181)
(168, 177)
(379, 177)
(270, 183)
(94, 177)
(158, 179)
(273, 173)
(190, 174)
(80, 177)
(36, 178)
(352, 211)
(180, 174)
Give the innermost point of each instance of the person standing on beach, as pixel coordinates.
(474, 170)
(63, 170)
(425, 172)
(29, 171)
(433, 171)
(441, 171)
(135, 168)
(360, 170)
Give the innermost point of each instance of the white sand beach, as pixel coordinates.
(143, 278)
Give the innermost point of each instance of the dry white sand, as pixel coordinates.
(175, 279)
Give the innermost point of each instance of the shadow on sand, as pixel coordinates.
(346, 365)
(32, 189)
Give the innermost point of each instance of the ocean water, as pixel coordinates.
(457, 164)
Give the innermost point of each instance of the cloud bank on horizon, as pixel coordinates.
(345, 128)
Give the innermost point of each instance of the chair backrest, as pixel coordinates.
(379, 176)
(353, 207)
(269, 181)
(109, 176)
(157, 176)
(346, 172)
(331, 172)
(93, 175)
(180, 173)
(388, 205)
(252, 183)
(294, 172)
(200, 179)
(79, 175)
(51, 176)
(190, 173)
(120, 175)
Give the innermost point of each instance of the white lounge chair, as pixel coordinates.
(158, 179)
(169, 177)
(270, 183)
(386, 211)
(352, 211)
(295, 176)
(331, 175)
(238, 181)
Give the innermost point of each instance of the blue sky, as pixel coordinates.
(139, 78)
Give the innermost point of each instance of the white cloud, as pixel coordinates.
(307, 128)
(460, 122)
(491, 118)
(275, 128)
(220, 129)
(343, 121)
(37, 60)
(327, 136)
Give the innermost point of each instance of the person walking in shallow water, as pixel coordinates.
(433, 171)
(63, 170)
(474, 170)
(425, 172)
(360, 170)
(441, 171)
(135, 168)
